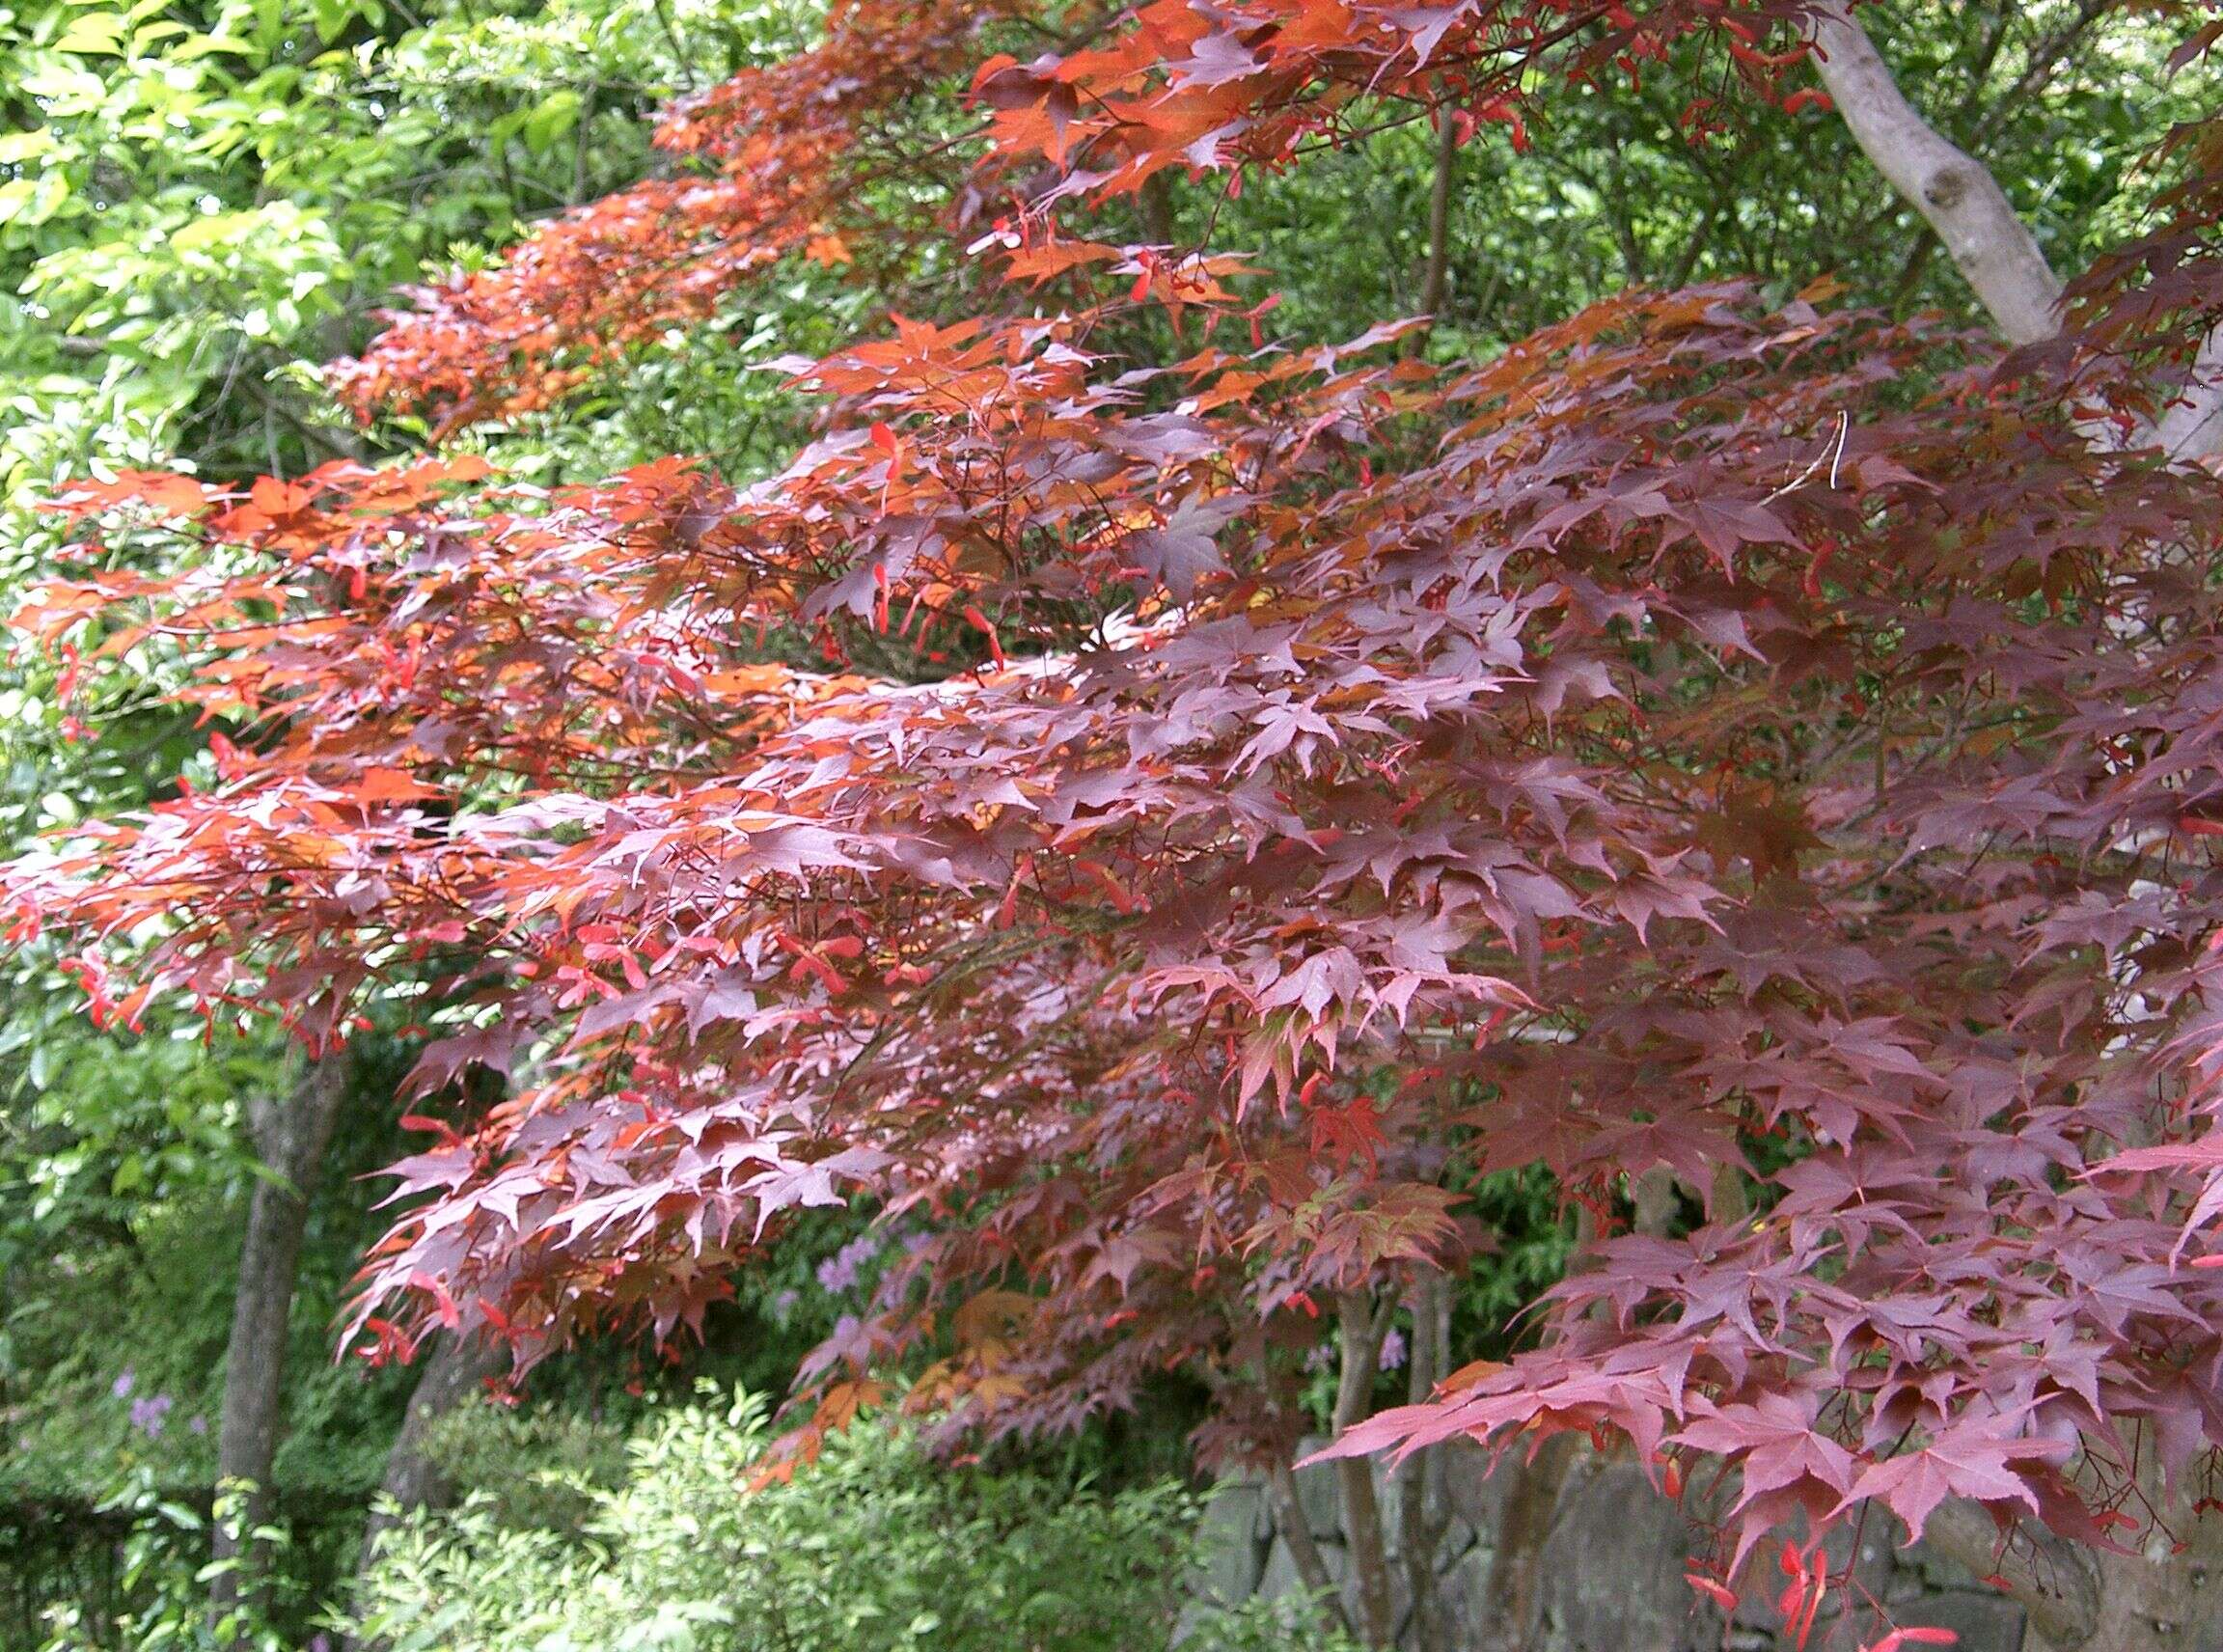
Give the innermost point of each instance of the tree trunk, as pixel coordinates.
(1962, 202)
(1974, 221)
(1436, 275)
(2164, 1596)
(1154, 204)
(1363, 1325)
(2193, 427)
(2078, 1600)
(1423, 1501)
(290, 1138)
(1303, 1553)
(2153, 1601)
(1531, 1508)
(413, 1478)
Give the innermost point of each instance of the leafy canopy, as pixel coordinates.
(1170, 808)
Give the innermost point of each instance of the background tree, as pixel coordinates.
(195, 204)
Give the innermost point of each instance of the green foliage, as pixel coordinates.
(163, 1577)
(545, 1468)
(196, 207)
(192, 211)
(876, 1548)
(122, 1180)
(115, 1307)
(1524, 1210)
(1260, 1625)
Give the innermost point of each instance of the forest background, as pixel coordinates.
(200, 206)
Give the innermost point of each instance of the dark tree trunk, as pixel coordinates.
(1436, 275)
(290, 1138)
(1515, 1586)
(1304, 1553)
(1154, 202)
(413, 1480)
(1364, 1325)
(453, 1372)
(1423, 1495)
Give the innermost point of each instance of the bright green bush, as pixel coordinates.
(876, 1548)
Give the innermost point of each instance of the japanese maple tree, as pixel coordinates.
(1173, 822)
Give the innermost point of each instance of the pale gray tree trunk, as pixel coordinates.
(2165, 1594)
(1975, 222)
(1956, 193)
(2192, 429)
(290, 1138)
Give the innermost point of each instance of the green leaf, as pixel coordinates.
(333, 17)
(17, 148)
(94, 34)
(556, 115)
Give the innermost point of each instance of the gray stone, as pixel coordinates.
(1610, 1575)
(1389, 1498)
(1458, 1538)
(1465, 1587)
(1612, 1570)
(1319, 1497)
(1477, 1497)
(1279, 1577)
(1985, 1622)
(1189, 1621)
(1936, 1571)
(1229, 1557)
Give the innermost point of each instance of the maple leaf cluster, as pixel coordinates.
(1234, 803)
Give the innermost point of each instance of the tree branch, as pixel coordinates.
(2050, 1578)
(1423, 1515)
(1364, 1325)
(1959, 197)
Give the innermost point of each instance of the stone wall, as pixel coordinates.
(1601, 1571)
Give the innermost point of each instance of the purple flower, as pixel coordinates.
(320, 1643)
(197, 1425)
(120, 1388)
(915, 1242)
(784, 1302)
(150, 1415)
(1392, 1349)
(837, 1273)
(1317, 1360)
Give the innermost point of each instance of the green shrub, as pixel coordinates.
(165, 1576)
(872, 1548)
(541, 1467)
